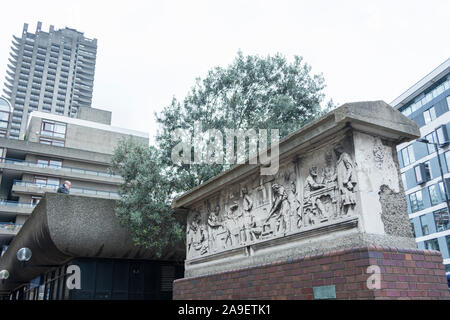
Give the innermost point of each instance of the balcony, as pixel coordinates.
(59, 171)
(28, 187)
(9, 229)
(14, 208)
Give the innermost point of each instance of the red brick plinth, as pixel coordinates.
(404, 274)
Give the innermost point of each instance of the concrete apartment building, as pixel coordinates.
(78, 230)
(427, 103)
(48, 134)
(49, 71)
(57, 148)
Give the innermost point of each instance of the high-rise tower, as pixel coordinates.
(49, 72)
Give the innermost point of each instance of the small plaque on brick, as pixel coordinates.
(325, 292)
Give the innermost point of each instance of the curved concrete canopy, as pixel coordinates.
(63, 227)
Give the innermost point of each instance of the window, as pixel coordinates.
(408, 155)
(422, 172)
(426, 167)
(404, 181)
(441, 219)
(407, 111)
(442, 134)
(424, 225)
(55, 163)
(418, 173)
(412, 227)
(53, 181)
(432, 244)
(53, 142)
(47, 181)
(4, 119)
(441, 188)
(434, 194)
(44, 163)
(416, 201)
(429, 115)
(431, 138)
(53, 129)
(40, 180)
(447, 160)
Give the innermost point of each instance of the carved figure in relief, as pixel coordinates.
(311, 184)
(214, 227)
(231, 226)
(378, 155)
(247, 220)
(255, 229)
(203, 243)
(309, 217)
(192, 231)
(295, 204)
(329, 171)
(330, 176)
(197, 235)
(280, 208)
(346, 180)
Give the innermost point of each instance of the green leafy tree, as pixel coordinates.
(145, 200)
(252, 93)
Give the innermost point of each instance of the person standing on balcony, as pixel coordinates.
(65, 187)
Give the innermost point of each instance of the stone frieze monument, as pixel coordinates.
(338, 188)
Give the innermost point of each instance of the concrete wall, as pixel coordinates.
(88, 138)
(33, 147)
(77, 183)
(96, 140)
(69, 162)
(95, 115)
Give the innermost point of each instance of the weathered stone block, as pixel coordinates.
(337, 187)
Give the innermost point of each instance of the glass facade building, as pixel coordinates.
(427, 103)
(49, 72)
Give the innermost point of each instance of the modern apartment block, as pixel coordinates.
(50, 72)
(427, 103)
(57, 148)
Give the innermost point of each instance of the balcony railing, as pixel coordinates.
(16, 204)
(76, 190)
(50, 187)
(12, 227)
(66, 169)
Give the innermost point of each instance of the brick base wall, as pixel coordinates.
(405, 274)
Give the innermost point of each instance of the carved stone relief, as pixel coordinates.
(304, 194)
(378, 155)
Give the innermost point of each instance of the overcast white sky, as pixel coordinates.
(149, 51)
